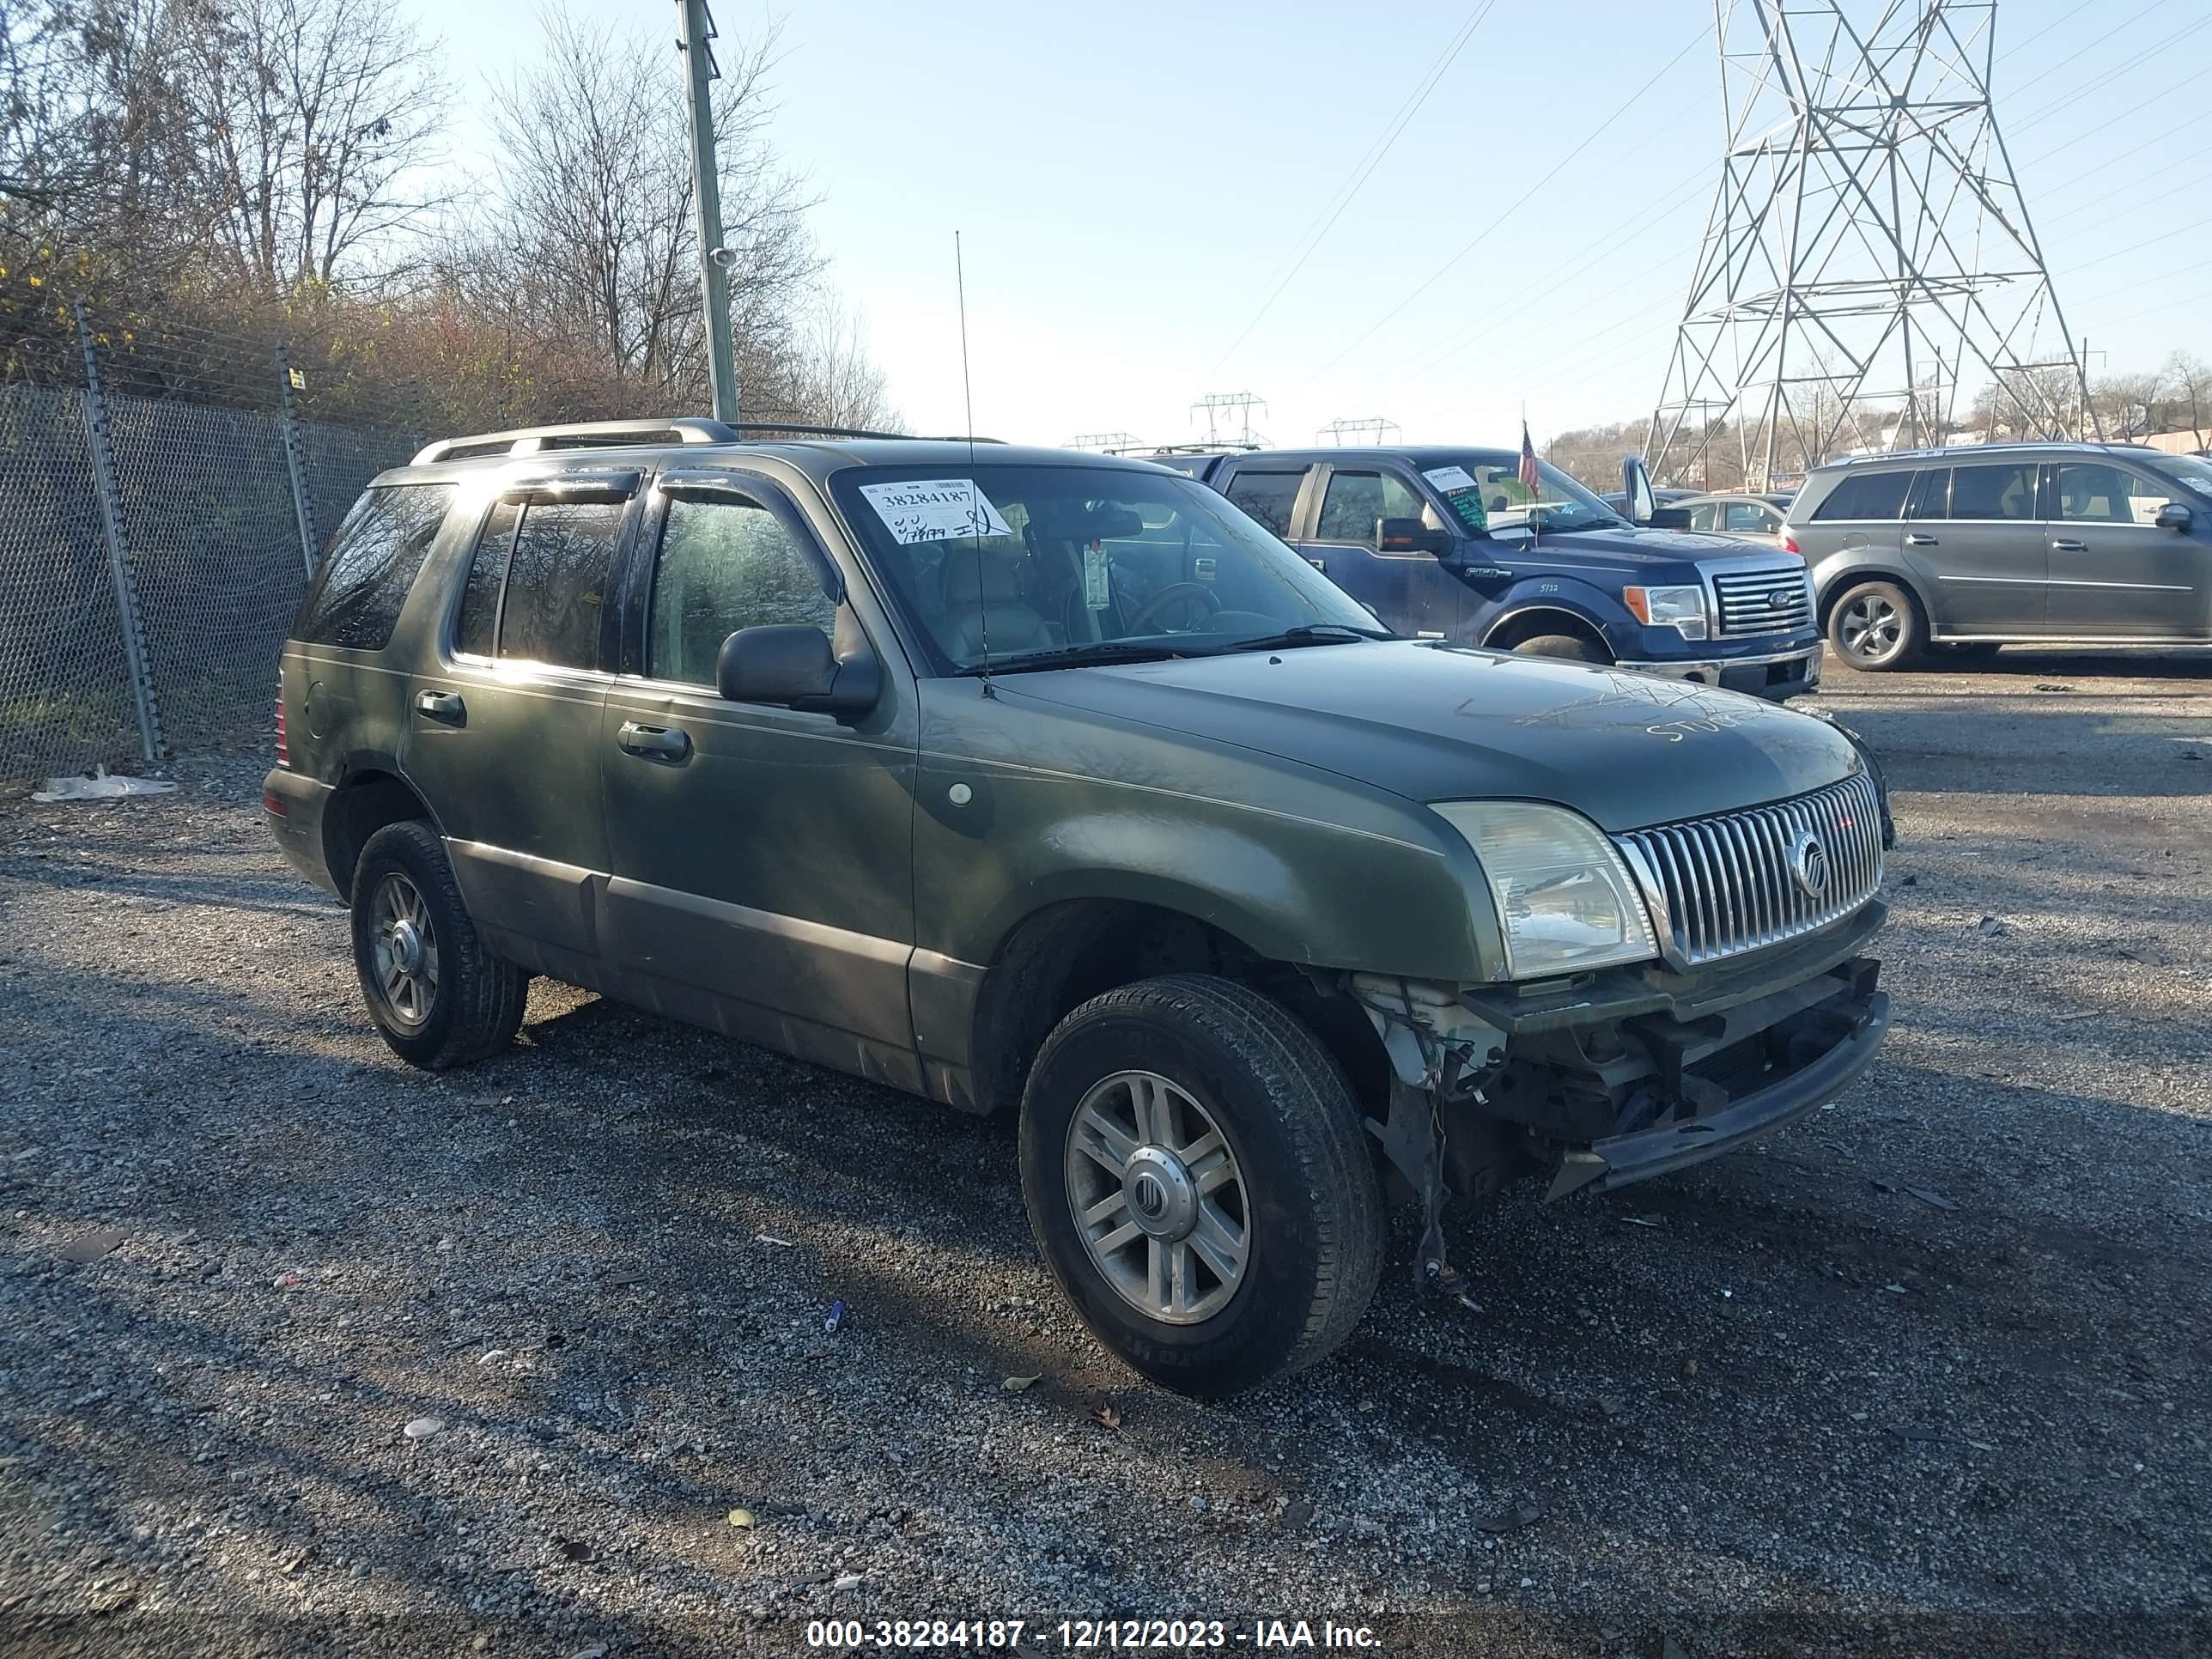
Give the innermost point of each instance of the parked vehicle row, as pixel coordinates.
(1026, 779)
(1448, 543)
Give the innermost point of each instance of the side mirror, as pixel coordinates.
(1667, 518)
(1409, 536)
(2173, 516)
(794, 665)
(1636, 485)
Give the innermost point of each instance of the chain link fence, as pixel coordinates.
(164, 490)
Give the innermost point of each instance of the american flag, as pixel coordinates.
(1528, 479)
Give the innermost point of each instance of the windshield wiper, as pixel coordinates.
(1076, 656)
(1311, 633)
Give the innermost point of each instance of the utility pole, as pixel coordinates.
(715, 260)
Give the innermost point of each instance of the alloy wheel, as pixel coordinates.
(406, 949)
(1157, 1197)
(1870, 628)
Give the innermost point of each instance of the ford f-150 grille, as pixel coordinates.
(1739, 881)
(1772, 600)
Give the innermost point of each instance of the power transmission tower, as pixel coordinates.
(715, 260)
(1241, 403)
(1106, 443)
(1375, 427)
(1868, 252)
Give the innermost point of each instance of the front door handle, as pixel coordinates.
(660, 743)
(1920, 541)
(1321, 565)
(2069, 547)
(444, 706)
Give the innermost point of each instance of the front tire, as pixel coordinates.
(1876, 627)
(1199, 1181)
(437, 995)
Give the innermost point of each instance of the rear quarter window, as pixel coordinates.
(1866, 496)
(354, 598)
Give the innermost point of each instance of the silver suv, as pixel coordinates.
(1965, 549)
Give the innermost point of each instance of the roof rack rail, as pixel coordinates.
(592, 434)
(578, 434)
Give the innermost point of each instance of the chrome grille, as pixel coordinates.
(1773, 600)
(1722, 885)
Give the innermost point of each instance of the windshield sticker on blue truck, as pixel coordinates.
(934, 510)
(1462, 493)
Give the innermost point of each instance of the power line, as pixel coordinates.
(2114, 74)
(2047, 27)
(2067, 63)
(1364, 168)
(1620, 110)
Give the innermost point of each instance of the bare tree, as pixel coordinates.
(834, 380)
(2187, 379)
(316, 124)
(591, 248)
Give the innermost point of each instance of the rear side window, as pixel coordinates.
(477, 630)
(354, 598)
(554, 557)
(1266, 498)
(555, 581)
(1866, 495)
(2005, 491)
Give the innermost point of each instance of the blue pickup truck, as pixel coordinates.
(1447, 542)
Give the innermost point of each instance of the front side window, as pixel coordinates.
(1357, 501)
(1029, 565)
(2097, 492)
(354, 598)
(1268, 497)
(2003, 490)
(1866, 495)
(1557, 502)
(725, 565)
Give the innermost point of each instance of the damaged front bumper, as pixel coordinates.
(1619, 1077)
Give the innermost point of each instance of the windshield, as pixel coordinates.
(2191, 470)
(1084, 563)
(1557, 502)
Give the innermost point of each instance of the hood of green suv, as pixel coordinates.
(1440, 723)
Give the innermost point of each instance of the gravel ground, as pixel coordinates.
(1923, 1371)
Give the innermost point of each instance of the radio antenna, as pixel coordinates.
(975, 490)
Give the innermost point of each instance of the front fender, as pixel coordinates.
(1585, 601)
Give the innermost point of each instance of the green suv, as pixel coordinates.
(1038, 780)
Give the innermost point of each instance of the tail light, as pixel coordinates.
(1787, 540)
(284, 748)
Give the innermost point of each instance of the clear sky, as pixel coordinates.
(1132, 180)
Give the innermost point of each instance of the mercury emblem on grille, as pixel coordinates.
(1809, 863)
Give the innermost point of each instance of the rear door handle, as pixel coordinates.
(2069, 547)
(1920, 541)
(660, 743)
(444, 706)
(1321, 565)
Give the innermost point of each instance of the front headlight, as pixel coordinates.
(1565, 898)
(1682, 609)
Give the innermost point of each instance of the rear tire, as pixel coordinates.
(437, 995)
(1876, 627)
(1199, 1184)
(1569, 646)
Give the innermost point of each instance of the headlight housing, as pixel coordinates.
(1565, 898)
(1682, 609)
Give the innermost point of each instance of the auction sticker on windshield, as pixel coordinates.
(934, 510)
(1460, 493)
